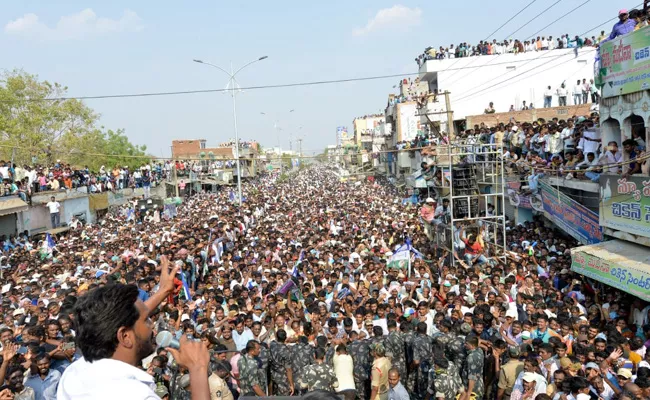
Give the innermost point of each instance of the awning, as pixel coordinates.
(616, 263)
(11, 205)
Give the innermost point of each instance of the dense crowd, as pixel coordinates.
(571, 148)
(294, 291)
(26, 180)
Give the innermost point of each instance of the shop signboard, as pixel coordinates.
(625, 204)
(625, 64)
(635, 281)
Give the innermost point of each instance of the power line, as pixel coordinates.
(463, 96)
(557, 20)
(512, 34)
(511, 18)
(490, 35)
(535, 17)
(203, 91)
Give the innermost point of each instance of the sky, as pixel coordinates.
(123, 47)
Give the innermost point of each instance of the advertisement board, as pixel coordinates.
(571, 216)
(342, 134)
(625, 204)
(625, 64)
(368, 127)
(409, 123)
(635, 281)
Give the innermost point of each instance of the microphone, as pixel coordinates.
(166, 339)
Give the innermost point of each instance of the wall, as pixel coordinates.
(364, 128)
(616, 113)
(528, 115)
(507, 79)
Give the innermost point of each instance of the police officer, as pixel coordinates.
(250, 381)
(303, 355)
(280, 364)
(359, 350)
(422, 355)
(318, 376)
(395, 347)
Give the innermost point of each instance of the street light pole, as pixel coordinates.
(232, 83)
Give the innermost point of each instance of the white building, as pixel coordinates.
(505, 80)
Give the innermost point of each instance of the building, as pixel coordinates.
(506, 80)
(623, 212)
(196, 149)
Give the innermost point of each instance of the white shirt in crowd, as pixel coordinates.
(54, 206)
(105, 379)
(343, 368)
(589, 146)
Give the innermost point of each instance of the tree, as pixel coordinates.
(37, 126)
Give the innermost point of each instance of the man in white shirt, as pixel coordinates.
(548, 97)
(612, 156)
(577, 93)
(343, 369)
(55, 216)
(562, 93)
(114, 335)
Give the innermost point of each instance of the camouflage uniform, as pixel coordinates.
(280, 359)
(443, 384)
(303, 355)
(395, 347)
(455, 350)
(318, 377)
(408, 336)
(422, 353)
(359, 350)
(473, 369)
(249, 375)
(329, 356)
(264, 366)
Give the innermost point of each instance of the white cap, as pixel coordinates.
(515, 128)
(530, 377)
(511, 314)
(429, 200)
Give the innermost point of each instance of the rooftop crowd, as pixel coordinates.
(628, 22)
(292, 293)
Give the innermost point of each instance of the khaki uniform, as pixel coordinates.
(379, 377)
(219, 389)
(508, 375)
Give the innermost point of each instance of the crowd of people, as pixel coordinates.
(571, 148)
(628, 22)
(24, 181)
(243, 144)
(295, 291)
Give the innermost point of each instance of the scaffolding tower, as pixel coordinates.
(470, 175)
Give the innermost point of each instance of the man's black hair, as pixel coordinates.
(100, 314)
(281, 335)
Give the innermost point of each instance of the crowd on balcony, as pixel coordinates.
(571, 148)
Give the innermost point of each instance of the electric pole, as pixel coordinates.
(450, 117)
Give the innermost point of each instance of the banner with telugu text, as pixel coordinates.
(631, 280)
(625, 204)
(625, 63)
(571, 216)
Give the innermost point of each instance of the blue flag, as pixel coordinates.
(186, 288)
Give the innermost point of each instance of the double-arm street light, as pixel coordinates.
(233, 87)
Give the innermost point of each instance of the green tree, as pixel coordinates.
(37, 125)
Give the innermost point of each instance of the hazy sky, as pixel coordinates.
(101, 47)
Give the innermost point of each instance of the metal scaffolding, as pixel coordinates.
(471, 176)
